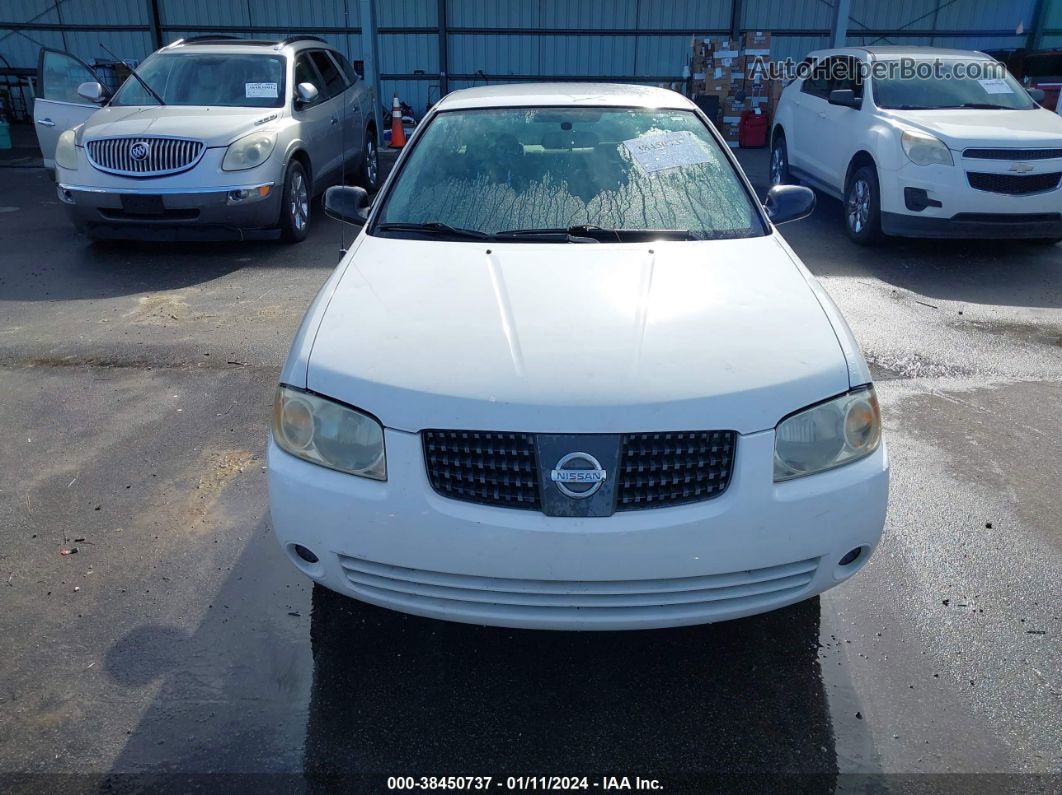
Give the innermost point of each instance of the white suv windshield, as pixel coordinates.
(241, 81)
(976, 84)
(615, 170)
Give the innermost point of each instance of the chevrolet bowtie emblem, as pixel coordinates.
(1021, 168)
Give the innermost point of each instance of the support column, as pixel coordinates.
(839, 28)
(370, 56)
(444, 52)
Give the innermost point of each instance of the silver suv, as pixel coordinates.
(211, 138)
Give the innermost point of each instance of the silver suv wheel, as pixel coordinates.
(372, 164)
(300, 202)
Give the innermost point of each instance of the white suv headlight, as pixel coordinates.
(923, 149)
(828, 435)
(66, 150)
(328, 433)
(250, 151)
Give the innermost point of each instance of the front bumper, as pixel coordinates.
(966, 212)
(757, 547)
(186, 213)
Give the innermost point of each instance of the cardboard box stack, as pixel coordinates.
(734, 72)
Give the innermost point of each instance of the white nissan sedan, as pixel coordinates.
(569, 376)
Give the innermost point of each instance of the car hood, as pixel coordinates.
(213, 125)
(969, 127)
(571, 338)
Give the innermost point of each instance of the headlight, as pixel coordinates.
(250, 151)
(66, 151)
(923, 149)
(328, 433)
(828, 435)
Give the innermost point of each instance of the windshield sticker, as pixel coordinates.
(996, 85)
(258, 90)
(659, 151)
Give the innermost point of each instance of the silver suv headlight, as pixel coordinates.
(250, 151)
(328, 433)
(827, 435)
(66, 150)
(923, 149)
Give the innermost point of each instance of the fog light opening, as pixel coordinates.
(851, 557)
(306, 554)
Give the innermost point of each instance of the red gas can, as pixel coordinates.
(753, 131)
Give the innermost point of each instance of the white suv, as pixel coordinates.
(957, 149)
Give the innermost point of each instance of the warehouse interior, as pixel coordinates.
(422, 49)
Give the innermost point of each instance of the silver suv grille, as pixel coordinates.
(144, 156)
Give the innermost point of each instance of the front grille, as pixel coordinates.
(508, 599)
(1012, 154)
(163, 155)
(673, 468)
(1013, 184)
(483, 466)
(655, 469)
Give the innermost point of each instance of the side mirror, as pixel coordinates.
(1037, 95)
(92, 91)
(347, 203)
(845, 97)
(306, 92)
(789, 203)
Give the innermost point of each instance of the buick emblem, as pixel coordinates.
(578, 475)
(1021, 168)
(139, 151)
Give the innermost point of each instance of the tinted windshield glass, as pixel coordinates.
(242, 81)
(951, 85)
(507, 169)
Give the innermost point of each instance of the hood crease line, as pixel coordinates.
(505, 311)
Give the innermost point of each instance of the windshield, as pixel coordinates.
(621, 169)
(239, 81)
(955, 84)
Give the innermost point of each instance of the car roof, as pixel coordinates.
(560, 94)
(231, 44)
(888, 52)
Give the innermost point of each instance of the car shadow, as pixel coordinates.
(46, 259)
(997, 272)
(289, 684)
(399, 694)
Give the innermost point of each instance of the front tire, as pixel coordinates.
(370, 163)
(295, 204)
(779, 168)
(862, 207)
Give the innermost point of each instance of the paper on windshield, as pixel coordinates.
(658, 151)
(260, 90)
(996, 85)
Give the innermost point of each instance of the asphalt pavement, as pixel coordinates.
(155, 637)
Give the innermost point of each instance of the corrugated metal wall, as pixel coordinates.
(511, 40)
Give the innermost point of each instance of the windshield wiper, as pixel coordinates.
(134, 73)
(586, 233)
(985, 106)
(435, 228)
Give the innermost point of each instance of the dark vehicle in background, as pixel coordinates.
(1040, 69)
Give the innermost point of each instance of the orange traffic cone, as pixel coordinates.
(398, 135)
